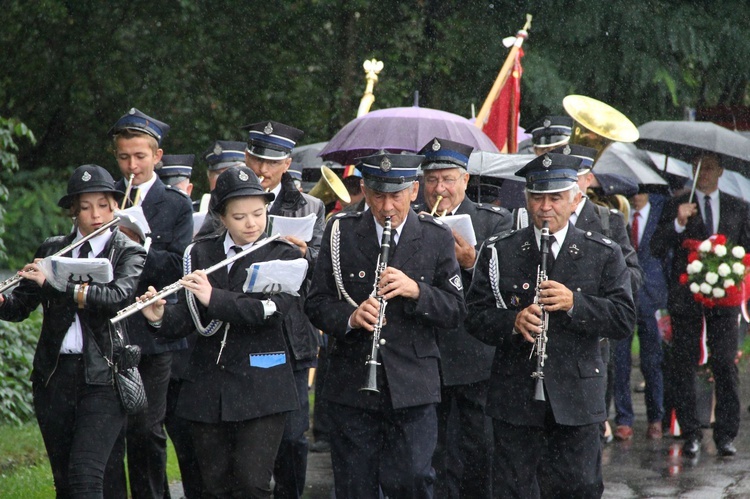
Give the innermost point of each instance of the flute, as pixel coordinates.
(176, 286)
(12, 281)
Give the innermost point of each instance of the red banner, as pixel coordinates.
(502, 122)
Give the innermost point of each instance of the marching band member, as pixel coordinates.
(550, 447)
(239, 386)
(75, 400)
(385, 439)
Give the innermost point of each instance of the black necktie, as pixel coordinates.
(237, 249)
(708, 214)
(84, 250)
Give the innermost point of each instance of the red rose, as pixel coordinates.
(683, 279)
(691, 244)
(720, 239)
(692, 256)
(746, 259)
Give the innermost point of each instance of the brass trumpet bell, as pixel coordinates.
(330, 187)
(597, 124)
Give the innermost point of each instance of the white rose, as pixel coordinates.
(724, 270)
(705, 246)
(720, 250)
(706, 288)
(718, 293)
(697, 266)
(728, 283)
(712, 278)
(738, 268)
(738, 252)
(694, 287)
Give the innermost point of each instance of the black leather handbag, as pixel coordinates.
(127, 377)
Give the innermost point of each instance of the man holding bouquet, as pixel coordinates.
(709, 212)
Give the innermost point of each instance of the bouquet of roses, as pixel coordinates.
(715, 273)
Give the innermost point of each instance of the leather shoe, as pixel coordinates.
(726, 449)
(623, 433)
(654, 431)
(691, 447)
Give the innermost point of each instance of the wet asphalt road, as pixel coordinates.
(639, 468)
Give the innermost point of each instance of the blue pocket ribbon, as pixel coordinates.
(266, 360)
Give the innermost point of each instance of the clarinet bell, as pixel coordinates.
(539, 392)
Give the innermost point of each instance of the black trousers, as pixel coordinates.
(79, 424)
(389, 449)
(290, 468)
(145, 438)
(321, 419)
(463, 456)
(722, 344)
(179, 431)
(236, 458)
(553, 461)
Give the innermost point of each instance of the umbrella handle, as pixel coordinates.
(695, 179)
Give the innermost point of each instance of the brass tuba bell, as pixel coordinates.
(330, 187)
(597, 124)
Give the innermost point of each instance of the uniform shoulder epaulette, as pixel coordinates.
(501, 235)
(171, 188)
(491, 208)
(600, 238)
(435, 221)
(347, 214)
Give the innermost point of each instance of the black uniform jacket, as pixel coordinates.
(410, 355)
(170, 217)
(590, 220)
(253, 377)
(102, 302)
(463, 358)
(734, 223)
(593, 268)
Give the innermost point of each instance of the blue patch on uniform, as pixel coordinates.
(266, 360)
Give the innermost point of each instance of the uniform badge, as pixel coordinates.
(218, 150)
(547, 123)
(436, 145)
(526, 246)
(515, 300)
(362, 274)
(456, 282)
(268, 130)
(132, 111)
(525, 285)
(86, 176)
(243, 176)
(385, 165)
(574, 249)
(567, 149)
(547, 162)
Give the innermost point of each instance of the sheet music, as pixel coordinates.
(60, 270)
(301, 227)
(276, 276)
(462, 225)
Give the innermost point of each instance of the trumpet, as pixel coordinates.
(371, 383)
(127, 192)
(540, 343)
(12, 281)
(437, 202)
(260, 181)
(176, 286)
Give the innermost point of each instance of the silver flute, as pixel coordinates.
(12, 281)
(371, 382)
(176, 286)
(540, 343)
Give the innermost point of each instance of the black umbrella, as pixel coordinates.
(686, 139)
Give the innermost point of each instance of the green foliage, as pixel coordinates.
(17, 343)
(31, 214)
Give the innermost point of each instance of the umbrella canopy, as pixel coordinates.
(625, 159)
(308, 155)
(686, 139)
(400, 129)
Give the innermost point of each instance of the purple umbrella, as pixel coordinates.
(401, 129)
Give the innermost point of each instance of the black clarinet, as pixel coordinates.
(371, 383)
(540, 344)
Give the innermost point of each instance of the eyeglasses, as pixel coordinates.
(448, 182)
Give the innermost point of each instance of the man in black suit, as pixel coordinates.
(137, 140)
(710, 212)
(549, 447)
(386, 438)
(463, 453)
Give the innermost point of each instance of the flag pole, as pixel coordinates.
(503, 75)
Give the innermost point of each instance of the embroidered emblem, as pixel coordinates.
(86, 176)
(218, 150)
(385, 165)
(243, 176)
(514, 300)
(436, 145)
(547, 162)
(268, 130)
(456, 282)
(525, 285)
(362, 274)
